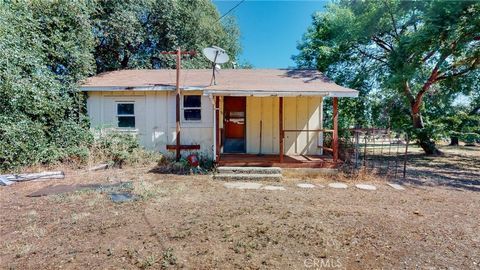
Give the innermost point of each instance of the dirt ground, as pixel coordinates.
(193, 222)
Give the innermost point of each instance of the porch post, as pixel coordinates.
(335, 129)
(280, 128)
(217, 129)
(177, 108)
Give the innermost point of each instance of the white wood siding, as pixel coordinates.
(155, 121)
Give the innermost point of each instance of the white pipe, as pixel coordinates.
(214, 127)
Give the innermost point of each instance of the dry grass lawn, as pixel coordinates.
(193, 222)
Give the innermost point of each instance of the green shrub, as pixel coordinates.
(120, 148)
(470, 138)
(24, 142)
(45, 48)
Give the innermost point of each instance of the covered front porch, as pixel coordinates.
(275, 118)
(279, 131)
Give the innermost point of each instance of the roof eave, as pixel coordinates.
(138, 88)
(207, 92)
(267, 93)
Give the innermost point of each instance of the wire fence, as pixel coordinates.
(379, 150)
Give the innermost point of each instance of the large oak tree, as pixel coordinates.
(410, 47)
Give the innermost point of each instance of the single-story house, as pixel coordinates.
(259, 117)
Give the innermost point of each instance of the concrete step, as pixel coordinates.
(247, 177)
(249, 170)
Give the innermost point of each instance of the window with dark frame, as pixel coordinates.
(192, 108)
(126, 115)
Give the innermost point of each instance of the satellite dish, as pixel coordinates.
(217, 56)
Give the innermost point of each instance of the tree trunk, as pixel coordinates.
(453, 140)
(424, 140)
(124, 62)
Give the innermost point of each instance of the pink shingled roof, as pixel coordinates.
(277, 80)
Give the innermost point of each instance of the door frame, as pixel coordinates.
(225, 126)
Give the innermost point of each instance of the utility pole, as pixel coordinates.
(178, 53)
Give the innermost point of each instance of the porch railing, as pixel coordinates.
(328, 149)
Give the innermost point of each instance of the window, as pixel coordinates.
(192, 108)
(126, 115)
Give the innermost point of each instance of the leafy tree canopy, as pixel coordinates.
(132, 34)
(403, 50)
(41, 60)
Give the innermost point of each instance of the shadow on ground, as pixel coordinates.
(452, 170)
(458, 168)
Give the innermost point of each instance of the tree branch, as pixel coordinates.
(372, 56)
(408, 92)
(430, 54)
(384, 45)
(432, 79)
(459, 73)
(394, 23)
(475, 110)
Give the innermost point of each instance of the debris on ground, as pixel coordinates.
(99, 167)
(54, 190)
(102, 188)
(31, 177)
(171, 168)
(417, 213)
(123, 197)
(5, 182)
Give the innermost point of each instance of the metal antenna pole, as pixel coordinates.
(178, 53)
(177, 112)
(213, 81)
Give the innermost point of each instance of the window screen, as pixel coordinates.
(192, 108)
(126, 115)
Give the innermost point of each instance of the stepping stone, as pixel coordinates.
(273, 188)
(306, 185)
(338, 185)
(242, 185)
(366, 187)
(396, 186)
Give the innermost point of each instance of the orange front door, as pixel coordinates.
(234, 109)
